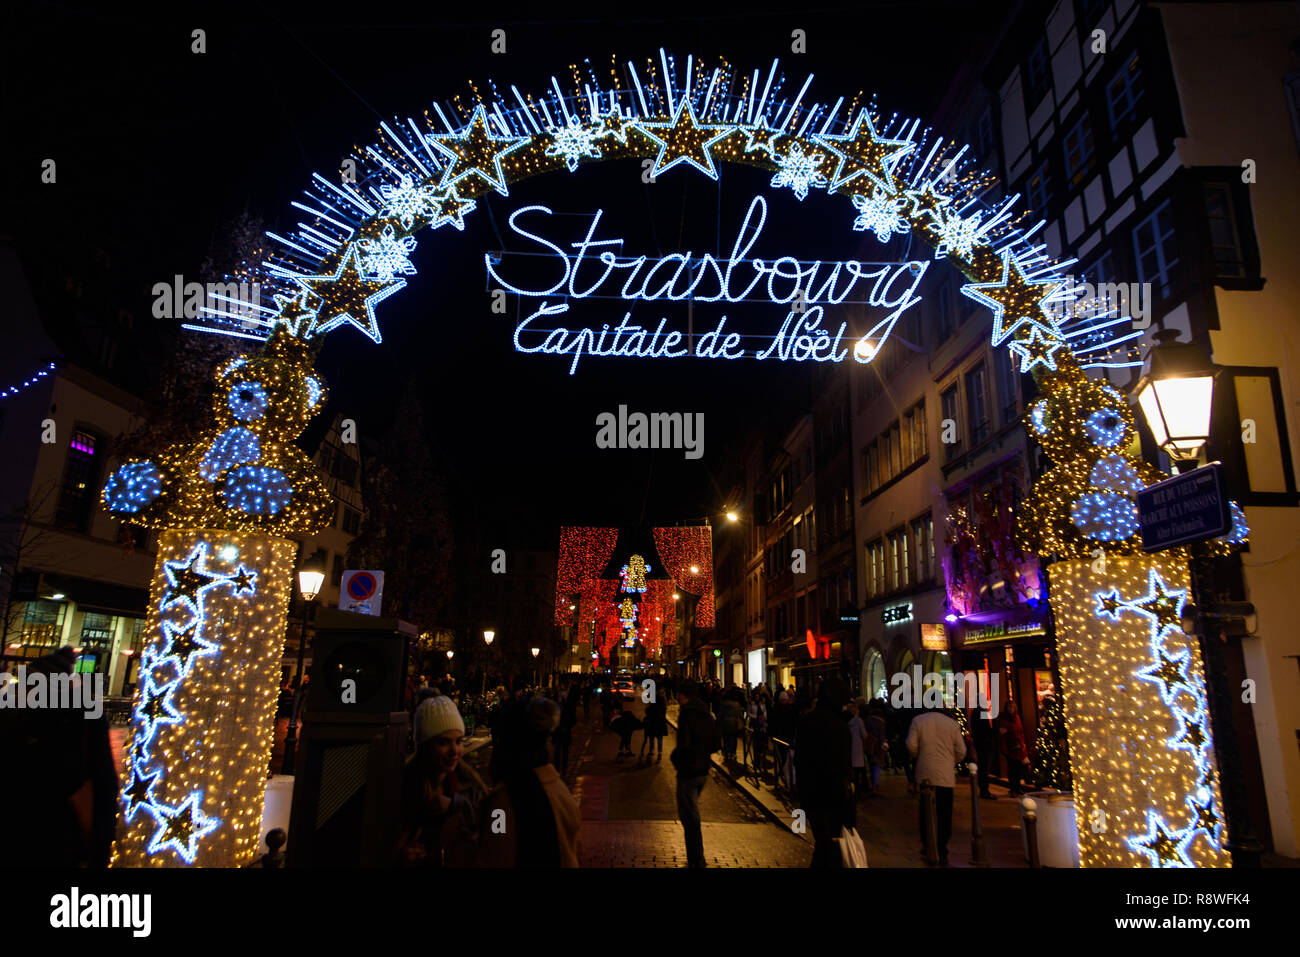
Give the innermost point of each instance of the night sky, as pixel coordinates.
(158, 149)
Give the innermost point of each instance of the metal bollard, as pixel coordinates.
(977, 855)
(1031, 830)
(275, 840)
(930, 816)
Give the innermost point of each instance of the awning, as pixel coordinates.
(94, 596)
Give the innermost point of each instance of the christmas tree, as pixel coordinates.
(965, 733)
(1051, 754)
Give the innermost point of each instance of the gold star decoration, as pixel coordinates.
(1036, 349)
(1206, 819)
(614, 123)
(137, 792)
(1016, 301)
(1165, 606)
(1163, 845)
(864, 153)
(925, 201)
(181, 826)
(684, 140)
(1109, 604)
(347, 296)
(293, 312)
(185, 644)
(1194, 735)
(154, 706)
(476, 151)
(1168, 672)
(450, 208)
(185, 579)
(760, 136)
(243, 579)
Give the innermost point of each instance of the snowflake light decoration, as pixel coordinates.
(957, 234)
(799, 171)
(880, 213)
(406, 201)
(573, 141)
(385, 257)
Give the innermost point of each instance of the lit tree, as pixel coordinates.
(1051, 753)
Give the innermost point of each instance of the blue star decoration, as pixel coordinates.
(476, 151)
(181, 827)
(138, 793)
(1164, 847)
(760, 136)
(187, 580)
(1109, 605)
(154, 710)
(450, 208)
(684, 140)
(1036, 349)
(1191, 734)
(184, 644)
(1169, 672)
(293, 311)
(1203, 813)
(1164, 606)
(1017, 301)
(864, 153)
(348, 296)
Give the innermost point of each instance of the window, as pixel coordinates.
(1008, 372)
(921, 537)
(1225, 240)
(338, 569)
(1154, 250)
(80, 483)
(1079, 154)
(905, 561)
(893, 561)
(1103, 270)
(1037, 75)
(920, 441)
(875, 569)
(977, 404)
(351, 521)
(895, 450)
(1123, 92)
(948, 402)
(945, 312)
(871, 465)
(1039, 189)
(810, 521)
(905, 436)
(847, 522)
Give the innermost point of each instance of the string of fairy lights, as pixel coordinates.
(353, 249)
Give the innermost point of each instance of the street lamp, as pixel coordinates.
(488, 635)
(1175, 394)
(732, 516)
(311, 576)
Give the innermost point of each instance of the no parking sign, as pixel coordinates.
(361, 592)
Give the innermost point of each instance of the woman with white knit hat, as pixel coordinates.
(440, 793)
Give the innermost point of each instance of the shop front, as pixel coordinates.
(891, 641)
(1013, 652)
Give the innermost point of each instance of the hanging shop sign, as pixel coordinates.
(897, 614)
(934, 637)
(1003, 631)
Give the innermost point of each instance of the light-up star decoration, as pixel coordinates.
(476, 151)
(1170, 673)
(181, 827)
(1162, 604)
(188, 579)
(293, 311)
(1203, 812)
(614, 124)
(139, 792)
(862, 153)
(762, 137)
(683, 140)
(154, 709)
(347, 296)
(1164, 847)
(1017, 301)
(448, 207)
(1037, 348)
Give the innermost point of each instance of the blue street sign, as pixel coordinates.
(1186, 508)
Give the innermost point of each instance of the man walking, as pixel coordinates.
(823, 764)
(936, 741)
(697, 739)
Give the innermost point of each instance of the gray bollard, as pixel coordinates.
(977, 856)
(275, 840)
(929, 814)
(1031, 830)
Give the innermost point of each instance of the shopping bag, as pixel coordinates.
(853, 853)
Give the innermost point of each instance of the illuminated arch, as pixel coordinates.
(222, 580)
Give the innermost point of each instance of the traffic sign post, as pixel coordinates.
(361, 592)
(1186, 508)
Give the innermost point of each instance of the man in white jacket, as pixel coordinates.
(936, 741)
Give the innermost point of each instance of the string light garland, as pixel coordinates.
(583, 554)
(30, 381)
(682, 549)
(203, 718)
